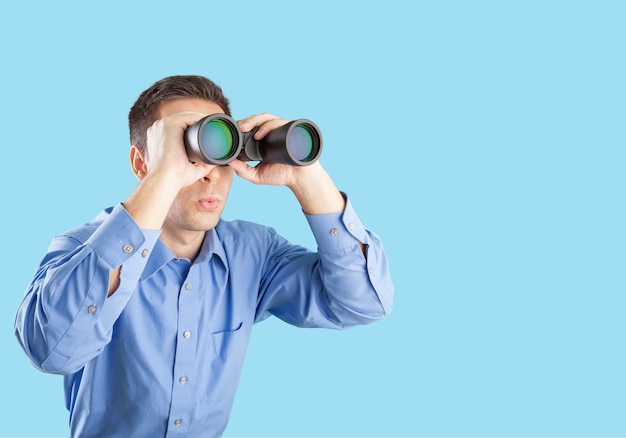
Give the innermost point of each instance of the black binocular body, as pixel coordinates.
(217, 139)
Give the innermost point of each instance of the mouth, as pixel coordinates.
(211, 203)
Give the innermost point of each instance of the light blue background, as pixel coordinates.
(483, 141)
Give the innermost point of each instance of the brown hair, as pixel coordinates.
(144, 112)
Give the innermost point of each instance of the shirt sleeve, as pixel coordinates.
(336, 287)
(66, 318)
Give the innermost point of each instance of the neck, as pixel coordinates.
(184, 245)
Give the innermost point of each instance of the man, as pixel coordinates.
(147, 310)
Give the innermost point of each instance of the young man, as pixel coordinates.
(147, 310)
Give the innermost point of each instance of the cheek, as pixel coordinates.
(177, 210)
(226, 179)
(183, 201)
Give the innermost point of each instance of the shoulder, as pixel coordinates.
(240, 231)
(82, 232)
(245, 234)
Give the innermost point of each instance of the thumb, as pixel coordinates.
(243, 170)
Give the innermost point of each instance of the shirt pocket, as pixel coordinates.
(229, 350)
(228, 344)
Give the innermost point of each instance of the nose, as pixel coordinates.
(213, 176)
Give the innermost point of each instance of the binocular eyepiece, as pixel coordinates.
(217, 139)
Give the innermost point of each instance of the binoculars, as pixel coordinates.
(217, 139)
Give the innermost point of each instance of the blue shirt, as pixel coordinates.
(162, 356)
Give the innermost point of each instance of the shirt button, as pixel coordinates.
(177, 422)
(92, 309)
(334, 232)
(183, 380)
(371, 270)
(188, 286)
(128, 248)
(187, 334)
(145, 253)
(351, 226)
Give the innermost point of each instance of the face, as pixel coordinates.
(199, 206)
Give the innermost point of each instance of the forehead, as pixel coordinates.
(188, 105)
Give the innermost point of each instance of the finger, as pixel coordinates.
(243, 170)
(255, 120)
(269, 126)
(187, 117)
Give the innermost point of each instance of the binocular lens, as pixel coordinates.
(217, 140)
(300, 143)
(214, 139)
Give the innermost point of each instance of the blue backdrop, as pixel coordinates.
(483, 141)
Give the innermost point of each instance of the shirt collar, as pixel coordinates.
(161, 254)
(211, 245)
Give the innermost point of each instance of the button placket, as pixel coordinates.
(185, 353)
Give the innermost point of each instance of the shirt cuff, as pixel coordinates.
(335, 232)
(119, 238)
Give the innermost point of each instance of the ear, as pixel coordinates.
(138, 162)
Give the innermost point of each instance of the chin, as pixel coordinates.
(209, 225)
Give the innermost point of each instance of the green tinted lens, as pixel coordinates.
(216, 140)
(300, 143)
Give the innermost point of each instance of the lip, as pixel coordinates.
(210, 203)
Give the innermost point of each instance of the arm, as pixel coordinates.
(65, 318)
(88, 275)
(347, 282)
(335, 287)
(162, 171)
